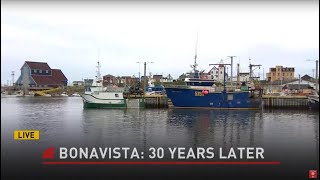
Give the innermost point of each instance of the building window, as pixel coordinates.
(290, 74)
(278, 74)
(40, 71)
(274, 74)
(47, 71)
(282, 74)
(220, 72)
(116, 95)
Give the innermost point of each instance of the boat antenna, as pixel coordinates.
(98, 66)
(195, 58)
(98, 70)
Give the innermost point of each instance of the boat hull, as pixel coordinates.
(314, 103)
(95, 102)
(90, 105)
(191, 98)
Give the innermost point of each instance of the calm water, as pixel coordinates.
(290, 136)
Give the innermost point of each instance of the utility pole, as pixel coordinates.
(317, 69)
(238, 74)
(139, 72)
(231, 67)
(12, 74)
(144, 77)
(145, 74)
(299, 83)
(313, 74)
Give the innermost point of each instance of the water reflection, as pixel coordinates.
(221, 128)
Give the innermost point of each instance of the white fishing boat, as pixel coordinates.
(98, 96)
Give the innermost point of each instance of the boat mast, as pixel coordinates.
(196, 75)
(98, 67)
(98, 70)
(98, 77)
(251, 74)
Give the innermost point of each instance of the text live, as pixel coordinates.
(26, 135)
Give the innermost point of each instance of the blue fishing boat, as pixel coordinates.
(151, 89)
(204, 93)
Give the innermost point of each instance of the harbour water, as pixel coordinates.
(288, 136)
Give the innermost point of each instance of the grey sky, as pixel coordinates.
(69, 36)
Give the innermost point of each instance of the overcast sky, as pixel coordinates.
(73, 36)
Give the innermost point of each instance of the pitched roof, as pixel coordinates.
(296, 86)
(108, 75)
(307, 78)
(38, 65)
(57, 78)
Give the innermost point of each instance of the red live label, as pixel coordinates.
(313, 174)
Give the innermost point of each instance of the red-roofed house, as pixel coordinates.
(39, 74)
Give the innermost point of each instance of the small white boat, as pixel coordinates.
(76, 95)
(64, 94)
(22, 94)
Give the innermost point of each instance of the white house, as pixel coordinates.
(243, 77)
(216, 73)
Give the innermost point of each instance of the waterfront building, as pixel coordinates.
(216, 73)
(157, 77)
(243, 77)
(292, 85)
(280, 73)
(39, 75)
(128, 80)
(77, 83)
(109, 79)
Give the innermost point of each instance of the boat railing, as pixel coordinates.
(175, 86)
(114, 89)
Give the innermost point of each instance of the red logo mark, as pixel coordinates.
(313, 174)
(48, 153)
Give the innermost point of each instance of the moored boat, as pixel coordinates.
(64, 94)
(313, 101)
(151, 89)
(75, 95)
(204, 93)
(98, 96)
